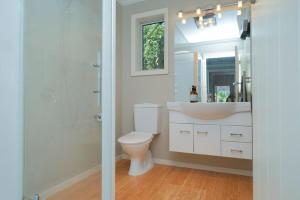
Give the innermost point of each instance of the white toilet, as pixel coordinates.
(147, 123)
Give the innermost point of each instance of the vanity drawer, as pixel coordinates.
(207, 140)
(181, 138)
(237, 150)
(236, 133)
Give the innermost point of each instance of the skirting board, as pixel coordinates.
(198, 166)
(44, 195)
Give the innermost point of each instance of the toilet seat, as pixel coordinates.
(136, 138)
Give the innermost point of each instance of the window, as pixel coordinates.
(153, 46)
(149, 39)
(222, 93)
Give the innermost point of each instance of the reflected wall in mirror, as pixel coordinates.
(213, 53)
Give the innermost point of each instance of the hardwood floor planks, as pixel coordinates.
(164, 183)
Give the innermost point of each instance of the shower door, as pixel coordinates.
(62, 99)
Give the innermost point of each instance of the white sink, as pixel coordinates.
(209, 111)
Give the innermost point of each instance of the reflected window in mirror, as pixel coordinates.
(220, 79)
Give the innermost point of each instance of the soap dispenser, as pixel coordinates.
(193, 94)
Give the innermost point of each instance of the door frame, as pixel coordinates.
(108, 98)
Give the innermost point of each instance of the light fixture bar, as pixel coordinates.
(223, 8)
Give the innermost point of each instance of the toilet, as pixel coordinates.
(147, 123)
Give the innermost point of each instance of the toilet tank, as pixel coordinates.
(147, 118)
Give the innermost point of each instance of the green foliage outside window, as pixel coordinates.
(222, 93)
(153, 46)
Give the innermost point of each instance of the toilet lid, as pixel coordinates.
(135, 138)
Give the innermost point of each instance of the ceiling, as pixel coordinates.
(227, 28)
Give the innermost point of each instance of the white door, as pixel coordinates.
(276, 85)
(108, 98)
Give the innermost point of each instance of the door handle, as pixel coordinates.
(185, 132)
(236, 134)
(236, 150)
(98, 117)
(96, 66)
(202, 132)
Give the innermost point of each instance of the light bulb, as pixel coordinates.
(180, 15)
(239, 12)
(218, 8)
(183, 21)
(219, 15)
(201, 19)
(240, 4)
(198, 11)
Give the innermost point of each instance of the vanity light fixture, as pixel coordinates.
(180, 14)
(218, 8)
(240, 4)
(202, 15)
(239, 12)
(219, 15)
(201, 19)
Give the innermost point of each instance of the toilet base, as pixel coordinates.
(139, 167)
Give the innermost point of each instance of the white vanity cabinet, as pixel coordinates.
(181, 139)
(228, 137)
(207, 139)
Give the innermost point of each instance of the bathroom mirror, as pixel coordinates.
(213, 53)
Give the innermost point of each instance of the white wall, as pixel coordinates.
(159, 89)
(10, 101)
(184, 75)
(62, 138)
(276, 99)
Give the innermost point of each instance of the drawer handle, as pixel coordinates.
(236, 150)
(185, 132)
(202, 132)
(236, 134)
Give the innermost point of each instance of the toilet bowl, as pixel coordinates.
(137, 144)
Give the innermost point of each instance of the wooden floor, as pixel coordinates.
(162, 183)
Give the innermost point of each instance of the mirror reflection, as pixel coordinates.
(212, 52)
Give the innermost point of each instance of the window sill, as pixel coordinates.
(150, 72)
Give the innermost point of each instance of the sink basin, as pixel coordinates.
(209, 111)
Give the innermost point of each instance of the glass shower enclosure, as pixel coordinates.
(62, 99)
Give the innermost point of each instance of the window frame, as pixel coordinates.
(137, 23)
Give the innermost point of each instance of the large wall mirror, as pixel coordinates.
(212, 52)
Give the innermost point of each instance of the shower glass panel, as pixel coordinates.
(62, 99)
